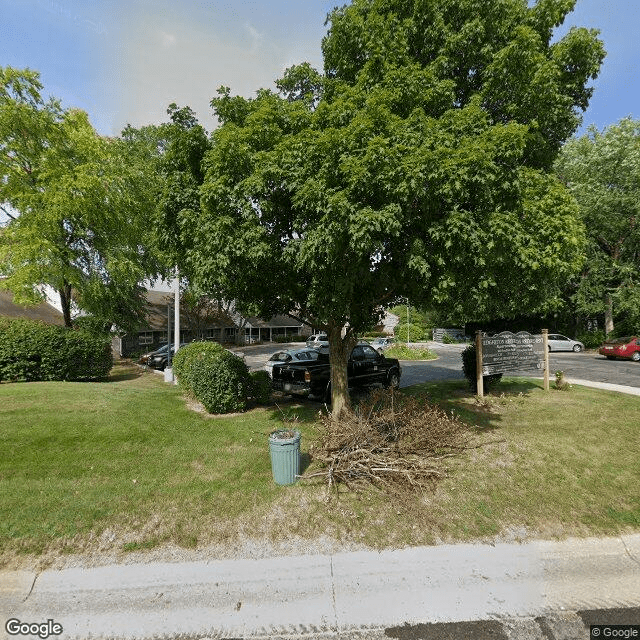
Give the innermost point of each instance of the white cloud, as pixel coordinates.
(168, 39)
(256, 37)
(178, 58)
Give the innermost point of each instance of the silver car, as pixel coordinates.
(380, 344)
(318, 340)
(281, 357)
(558, 342)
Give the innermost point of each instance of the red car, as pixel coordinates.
(627, 347)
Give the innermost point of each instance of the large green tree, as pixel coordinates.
(602, 170)
(417, 165)
(77, 207)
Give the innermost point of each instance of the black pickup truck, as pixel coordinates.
(366, 367)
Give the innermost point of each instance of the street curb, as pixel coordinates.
(330, 593)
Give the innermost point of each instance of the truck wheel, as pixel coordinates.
(393, 380)
(636, 356)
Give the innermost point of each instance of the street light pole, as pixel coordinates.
(176, 313)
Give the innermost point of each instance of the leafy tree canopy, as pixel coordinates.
(77, 207)
(602, 170)
(415, 166)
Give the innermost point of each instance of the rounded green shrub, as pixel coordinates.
(592, 340)
(217, 378)
(416, 333)
(469, 369)
(34, 351)
(261, 386)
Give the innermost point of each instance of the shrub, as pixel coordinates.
(34, 351)
(217, 378)
(591, 340)
(469, 369)
(260, 386)
(416, 333)
(402, 352)
(291, 338)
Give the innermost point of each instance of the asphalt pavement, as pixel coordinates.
(587, 368)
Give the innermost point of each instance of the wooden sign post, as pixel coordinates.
(479, 381)
(545, 346)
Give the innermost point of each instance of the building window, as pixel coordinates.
(145, 337)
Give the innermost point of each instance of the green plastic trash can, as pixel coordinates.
(284, 447)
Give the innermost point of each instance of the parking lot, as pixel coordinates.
(587, 365)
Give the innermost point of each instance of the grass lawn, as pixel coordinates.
(125, 465)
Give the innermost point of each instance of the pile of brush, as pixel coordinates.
(393, 441)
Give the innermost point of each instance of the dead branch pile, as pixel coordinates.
(392, 441)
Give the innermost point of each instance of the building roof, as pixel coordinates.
(276, 321)
(156, 313)
(42, 311)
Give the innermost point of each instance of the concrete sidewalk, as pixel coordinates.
(318, 594)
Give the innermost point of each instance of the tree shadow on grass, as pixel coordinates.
(121, 376)
(124, 370)
(480, 413)
(295, 412)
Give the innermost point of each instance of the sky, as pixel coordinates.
(125, 61)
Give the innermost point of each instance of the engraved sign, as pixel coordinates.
(508, 351)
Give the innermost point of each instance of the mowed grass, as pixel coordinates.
(126, 457)
(125, 465)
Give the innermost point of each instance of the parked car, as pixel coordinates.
(627, 347)
(380, 344)
(318, 340)
(558, 342)
(159, 359)
(290, 355)
(366, 367)
(145, 357)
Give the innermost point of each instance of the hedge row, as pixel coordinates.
(34, 351)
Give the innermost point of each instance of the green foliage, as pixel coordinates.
(560, 383)
(468, 356)
(80, 202)
(416, 332)
(33, 351)
(294, 338)
(260, 388)
(92, 324)
(415, 167)
(402, 352)
(602, 170)
(217, 378)
(592, 339)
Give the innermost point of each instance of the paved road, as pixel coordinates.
(588, 365)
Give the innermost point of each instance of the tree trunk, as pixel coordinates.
(339, 352)
(65, 303)
(608, 314)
